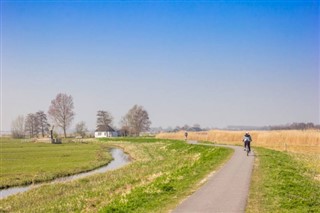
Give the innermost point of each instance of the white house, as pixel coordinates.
(105, 132)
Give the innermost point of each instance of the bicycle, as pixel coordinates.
(247, 139)
(247, 147)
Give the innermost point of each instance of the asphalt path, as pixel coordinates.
(226, 190)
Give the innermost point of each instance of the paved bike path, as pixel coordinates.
(225, 191)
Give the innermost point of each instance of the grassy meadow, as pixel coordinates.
(162, 173)
(281, 182)
(24, 162)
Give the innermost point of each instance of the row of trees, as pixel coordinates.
(37, 123)
(194, 128)
(33, 125)
(133, 123)
(295, 126)
(61, 112)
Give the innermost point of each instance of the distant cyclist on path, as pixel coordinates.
(247, 140)
(186, 135)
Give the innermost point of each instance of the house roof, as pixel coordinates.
(103, 128)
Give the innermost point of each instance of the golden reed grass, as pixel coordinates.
(299, 141)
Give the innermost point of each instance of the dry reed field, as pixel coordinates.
(303, 145)
(296, 141)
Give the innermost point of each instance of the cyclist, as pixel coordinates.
(186, 135)
(247, 140)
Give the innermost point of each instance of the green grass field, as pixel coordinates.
(27, 162)
(162, 173)
(282, 182)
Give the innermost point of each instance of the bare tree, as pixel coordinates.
(81, 128)
(43, 122)
(104, 118)
(61, 111)
(138, 120)
(17, 127)
(125, 129)
(32, 125)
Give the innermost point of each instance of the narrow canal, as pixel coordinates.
(119, 159)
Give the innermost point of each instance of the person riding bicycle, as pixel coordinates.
(247, 140)
(186, 135)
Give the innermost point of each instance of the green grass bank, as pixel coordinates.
(282, 182)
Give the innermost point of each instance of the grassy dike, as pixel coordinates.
(27, 162)
(282, 183)
(162, 173)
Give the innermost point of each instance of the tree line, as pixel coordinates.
(132, 124)
(61, 112)
(295, 126)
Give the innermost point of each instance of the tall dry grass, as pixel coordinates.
(299, 141)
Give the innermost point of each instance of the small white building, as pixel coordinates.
(105, 132)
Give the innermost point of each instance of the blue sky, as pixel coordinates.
(214, 63)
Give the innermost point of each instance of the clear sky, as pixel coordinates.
(214, 63)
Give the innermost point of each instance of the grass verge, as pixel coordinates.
(282, 183)
(162, 174)
(27, 162)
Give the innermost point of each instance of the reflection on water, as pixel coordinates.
(119, 159)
